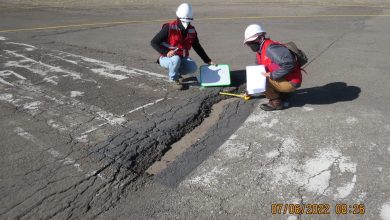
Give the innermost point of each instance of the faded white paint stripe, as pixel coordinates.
(107, 73)
(108, 116)
(7, 97)
(31, 104)
(105, 69)
(28, 47)
(144, 106)
(52, 79)
(63, 59)
(57, 125)
(92, 173)
(82, 138)
(25, 102)
(150, 73)
(76, 93)
(3, 38)
(109, 69)
(67, 161)
(93, 129)
(111, 118)
(5, 82)
(36, 66)
(5, 73)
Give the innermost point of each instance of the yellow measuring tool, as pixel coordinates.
(244, 96)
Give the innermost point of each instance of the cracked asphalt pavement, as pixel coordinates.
(85, 111)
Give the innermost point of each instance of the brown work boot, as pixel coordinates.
(177, 85)
(272, 105)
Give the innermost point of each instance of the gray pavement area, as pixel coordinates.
(90, 128)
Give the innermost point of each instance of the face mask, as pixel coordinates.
(254, 47)
(185, 24)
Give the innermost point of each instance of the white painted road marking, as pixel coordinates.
(17, 89)
(27, 46)
(108, 69)
(37, 95)
(54, 153)
(144, 106)
(99, 67)
(4, 74)
(105, 69)
(38, 67)
(66, 161)
(76, 93)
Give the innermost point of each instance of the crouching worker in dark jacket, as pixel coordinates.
(283, 71)
(174, 42)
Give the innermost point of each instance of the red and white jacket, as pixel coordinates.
(175, 38)
(294, 76)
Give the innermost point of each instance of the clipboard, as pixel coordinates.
(255, 80)
(211, 75)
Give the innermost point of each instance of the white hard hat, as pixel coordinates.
(252, 32)
(184, 12)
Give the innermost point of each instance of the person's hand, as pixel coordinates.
(171, 53)
(212, 63)
(267, 74)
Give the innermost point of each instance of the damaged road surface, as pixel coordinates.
(78, 133)
(139, 145)
(90, 129)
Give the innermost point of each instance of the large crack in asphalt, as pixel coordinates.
(177, 149)
(138, 146)
(233, 115)
(145, 141)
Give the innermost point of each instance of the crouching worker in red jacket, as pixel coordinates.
(173, 43)
(283, 71)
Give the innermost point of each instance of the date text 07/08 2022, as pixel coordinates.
(318, 209)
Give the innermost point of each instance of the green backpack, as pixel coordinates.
(301, 56)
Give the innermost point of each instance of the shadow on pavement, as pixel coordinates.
(190, 81)
(326, 94)
(238, 77)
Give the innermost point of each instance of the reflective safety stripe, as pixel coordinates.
(165, 44)
(174, 27)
